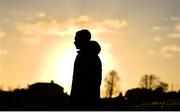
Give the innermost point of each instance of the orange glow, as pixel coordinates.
(59, 60)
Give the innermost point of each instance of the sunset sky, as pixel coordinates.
(137, 37)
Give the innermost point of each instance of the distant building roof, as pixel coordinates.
(43, 88)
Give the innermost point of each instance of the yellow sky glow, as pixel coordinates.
(59, 61)
(137, 37)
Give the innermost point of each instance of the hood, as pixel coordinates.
(94, 47)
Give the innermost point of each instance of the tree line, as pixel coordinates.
(147, 81)
(152, 94)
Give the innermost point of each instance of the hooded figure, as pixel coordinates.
(94, 72)
(87, 72)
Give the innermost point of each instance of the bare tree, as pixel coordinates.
(149, 81)
(144, 81)
(112, 84)
(163, 85)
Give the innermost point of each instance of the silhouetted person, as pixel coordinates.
(85, 91)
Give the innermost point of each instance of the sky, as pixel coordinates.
(137, 37)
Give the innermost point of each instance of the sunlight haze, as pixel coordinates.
(137, 37)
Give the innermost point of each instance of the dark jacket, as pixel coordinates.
(87, 76)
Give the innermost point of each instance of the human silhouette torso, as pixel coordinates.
(87, 76)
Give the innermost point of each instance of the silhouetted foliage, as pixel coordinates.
(152, 82)
(111, 84)
(50, 96)
(147, 99)
(149, 81)
(163, 85)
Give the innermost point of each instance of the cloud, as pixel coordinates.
(157, 39)
(152, 52)
(34, 33)
(31, 41)
(169, 51)
(177, 26)
(156, 28)
(40, 28)
(174, 35)
(2, 34)
(115, 24)
(3, 51)
(174, 18)
(48, 27)
(165, 51)
(41, 14)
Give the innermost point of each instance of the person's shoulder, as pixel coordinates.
(94, 47)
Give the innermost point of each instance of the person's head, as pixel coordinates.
(82, 38)
(94, 47)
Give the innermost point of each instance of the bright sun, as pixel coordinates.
(58, 65)
(59, 61)
(64, 68)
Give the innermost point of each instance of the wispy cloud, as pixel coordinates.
(48, 27)
(2, 34)
(177, 26)
(3, 51)
(157, 28)
(174, 35)
(152, 52)
(31, 41)
(169, 51)
(41, 14)
(168, 47)
(115, 24)
(157, 39)
(174, 18)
